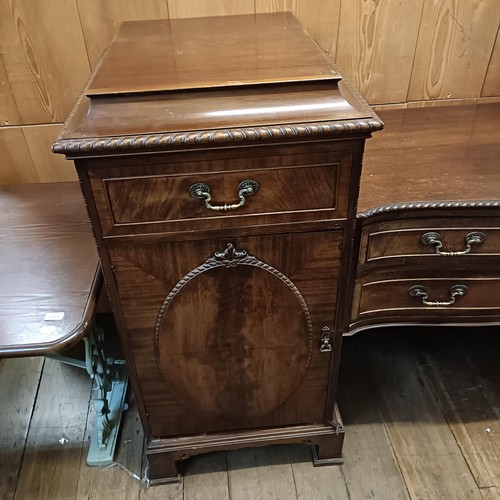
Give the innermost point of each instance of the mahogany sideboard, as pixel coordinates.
(429, 220)
(220, 161)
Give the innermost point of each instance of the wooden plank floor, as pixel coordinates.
(421, 409)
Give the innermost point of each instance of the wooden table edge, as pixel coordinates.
(67, 340)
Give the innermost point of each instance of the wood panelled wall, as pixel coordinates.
(397, 52)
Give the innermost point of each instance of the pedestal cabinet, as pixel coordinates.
(220, 161)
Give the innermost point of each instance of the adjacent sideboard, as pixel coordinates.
(428, 225)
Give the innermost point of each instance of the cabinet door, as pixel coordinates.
(226, 334)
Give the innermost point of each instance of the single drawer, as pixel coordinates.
(401, 298)
(429, 238)
(222, 192)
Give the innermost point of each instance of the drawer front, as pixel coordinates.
(401, 298)
(141, 198)
(436, 241)
(158, 198)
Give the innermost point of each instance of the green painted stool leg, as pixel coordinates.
(110, 376)
(111, 383)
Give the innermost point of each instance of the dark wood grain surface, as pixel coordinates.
(433, 154)
(432, 171)
(399, 241)
(297, 183)
(171, 84)
(233, 349)
(210, 52)
(48, 265)
(225, 329)
(390, 297)
(197, 110)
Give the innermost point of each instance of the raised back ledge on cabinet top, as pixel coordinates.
(178, 96)
(197, 53)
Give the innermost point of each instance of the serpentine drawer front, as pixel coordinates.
(426, 266)
(435, 242)
(401, 298)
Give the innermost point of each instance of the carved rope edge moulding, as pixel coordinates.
(152, 141)
(383, 209)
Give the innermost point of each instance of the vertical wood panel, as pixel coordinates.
(9, 114)
(431, 462)
(320, 19)
(462, 393)
(453, 50)
(316, 483)
(491, 85)
(44, 56)
(16, 165)
(50, 466)
(206, 477)
(100, 20)
(490, 493)
(370, 466)
(376, 46)
(201, 8)
(17, 392)
(49, 166)
(261, 472)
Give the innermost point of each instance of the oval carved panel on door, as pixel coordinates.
(237, 343)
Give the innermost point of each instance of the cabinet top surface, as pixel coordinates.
(211, 81)
(225, 51)
(433, 155)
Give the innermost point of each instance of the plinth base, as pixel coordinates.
(163, 454)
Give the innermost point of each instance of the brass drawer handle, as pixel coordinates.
(421, 291)
(201, 191)
(475, 238)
